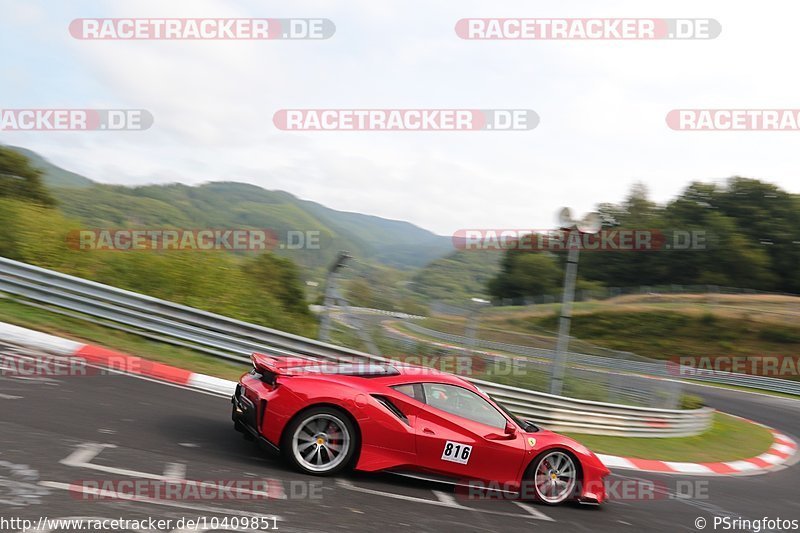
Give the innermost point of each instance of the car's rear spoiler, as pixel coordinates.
(279, 365)
(293, 366)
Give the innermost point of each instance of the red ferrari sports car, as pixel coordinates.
(326, 417)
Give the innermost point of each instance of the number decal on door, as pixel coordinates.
(456, 452)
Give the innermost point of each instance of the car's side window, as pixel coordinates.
(408, 390)
(464, 403)
(412, 390)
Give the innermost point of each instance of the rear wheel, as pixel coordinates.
(321, 441)
(555, 475)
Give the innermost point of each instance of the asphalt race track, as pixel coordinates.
(58, 431)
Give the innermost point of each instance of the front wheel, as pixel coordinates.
(555, 476)
(321, 441)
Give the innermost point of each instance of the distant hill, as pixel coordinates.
(458, 277)
(235, 205)
(54, 176)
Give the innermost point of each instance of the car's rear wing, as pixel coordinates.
(279, 365)
(293, 366)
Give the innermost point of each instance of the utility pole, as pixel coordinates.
(333, 297)
(472, 322)
(331, 294)
(590, 224)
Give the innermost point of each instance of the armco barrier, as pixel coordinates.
(232, 339)
(583, 416)
(626, 362)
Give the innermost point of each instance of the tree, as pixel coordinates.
(18, 179)
(638, 209)
(279, 277)
(628, 268)
(751, 231)
(769, 218)
(526, 274)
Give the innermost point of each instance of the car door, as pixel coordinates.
(460, 434)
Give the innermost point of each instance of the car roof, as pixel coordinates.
(418, 374)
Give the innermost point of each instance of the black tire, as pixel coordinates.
(338, 430)
(531, 487)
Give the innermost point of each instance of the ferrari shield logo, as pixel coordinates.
(531, 442)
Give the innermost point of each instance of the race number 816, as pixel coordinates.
(456, 452)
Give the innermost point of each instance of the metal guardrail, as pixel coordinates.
(583, 416)
(590, 382)
(624, 363)
(234, 340)
(158, 319)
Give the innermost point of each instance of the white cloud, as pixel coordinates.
(602, 105)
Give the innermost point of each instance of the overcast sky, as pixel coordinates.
(602, 104)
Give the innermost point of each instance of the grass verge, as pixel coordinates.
(661, 333)
(729, 439)
(72, 328)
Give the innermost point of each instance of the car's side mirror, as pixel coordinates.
(529, 426)
(509, 433)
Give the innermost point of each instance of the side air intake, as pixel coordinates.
(391, 407)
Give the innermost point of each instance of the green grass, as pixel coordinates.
(661, 326)
(729, 439)
(665, 334)
(64, 326)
